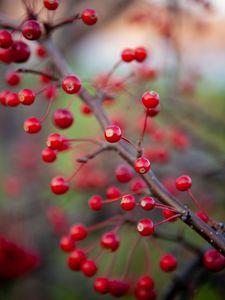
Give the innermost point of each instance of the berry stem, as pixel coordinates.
(129, 257)
(102, 224)
(139, 144)
(196, 201)
(167, 219)
(35, 72)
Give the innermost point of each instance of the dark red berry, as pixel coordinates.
(145, 282)
(113, 134)
(110, 241)
(148, 203)
(95, 202)
(168, 263)
(89, 16)
(78, 232)
(101, 285)
(213, 260)
(127, 202)
(55, 141)
(75, 259)
(51, 4)
(63, 118)
(183, 183)
(142, 165)
(59, 185)
(138, 186)
(118, 288)
(71, 84)
(5, 39)
(31, 30)
(127, 55)
(140, 54)
(12, 99)
(85, 109)
(13, 78)
(152, 112)
(26, 96)
(150, 99)
(89, 268)
(67, 244)
(5, 56)
(32, 125)
(124, 173)
(143, 294)
(3, 95)
(20, 52)
(48, 155)
(113, 192)
(145, 227)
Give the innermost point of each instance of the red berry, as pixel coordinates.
(145, 227)
(89, 268)
(48, 155)
(5, 56)
(143, 294)
(124, 173)
(67, 244)
(63, 118)
(118, 288)
(101, 285)
(89, 16)
(140, 54)
(127, 55)
(167, 213)
(148, 203)
(12, 99)
(110, 241)
(31, 30)
(59, 185)
(85, 109)
(5, 39)
(138, 185)
(113, 134)
(203, 216)
(78, 232)
(213, 260)
(127, 202)
(55, 141)
(145, 282)
(150, 99)
(51, 4)
(142, 165)
(13, 78)
(95, 202)
(32, 125)
(71, 84)
(20, 52)
(26, 96)
(152, 112)
(183, 183)
(113, 192)
(168, 263)
(75, 259)
(3, 95)
(41, 52)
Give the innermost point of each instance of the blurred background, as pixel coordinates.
(186, 65)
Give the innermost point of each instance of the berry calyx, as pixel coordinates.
(48, 155)
(31, 30)
(213, 260)
(140, 54)
(128, 202)
(183, 183)
(32, 125)
(148, 203)
(113, 134)
(124, 173)
(110, 241)
(59, 185)
(89, 16)
(127, 55)
(89, 268)
(63, 118)
(95, 202)
(150, 99)
(26, 96)
(51, 4)
(142, 165)
(168, 263)
(101, 285)
(5, 39)
(71, 84)
(55, 141)
(145, 227)
(67, 244)
(20, 52)
(78, 232)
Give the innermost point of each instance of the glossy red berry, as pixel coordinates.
(51, 4)
(5, 39)
(152, 112)
(140, 54)
(128, 202)
(3, 95)
(20, 52)
(148, 203)
(145, 282)
(89, 16)
(32, 125)
(55, 141)
(183, 183)
(59, 185)
(168, 263)
(67, 244)
(101, 285)
(142, 165)
(118, 288)
(145, 227)
(89, 268)
(113, 192)
(113, 134)
(127, 55)
(110, 241)
(26, 96)
(95, 202)
(124, 173)
(5, 55)
(63, 118)
(31, 30)
(71, 84)
(78, 232)
(75, 259)
(48, 155)
(143, 294)
(12, 99)
(150, 99)
(213, 260)
(13, 78)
